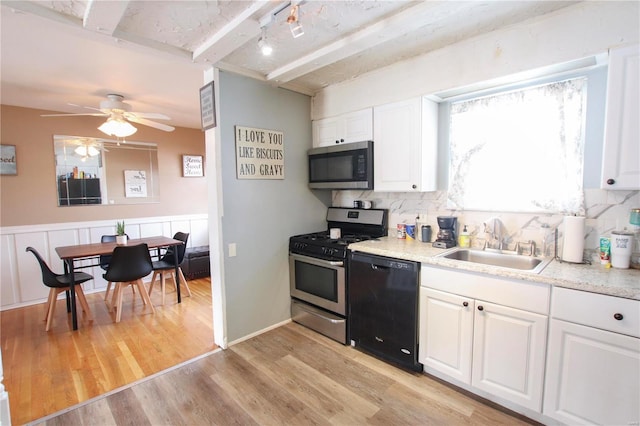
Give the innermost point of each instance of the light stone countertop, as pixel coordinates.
(594, 278)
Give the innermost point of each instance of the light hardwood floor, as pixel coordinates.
(287, 376)
(45, 372)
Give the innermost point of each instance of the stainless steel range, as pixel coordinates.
(317, 269)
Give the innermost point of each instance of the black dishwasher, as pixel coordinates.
(383, 308)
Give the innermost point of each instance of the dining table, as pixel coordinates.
(89, 255)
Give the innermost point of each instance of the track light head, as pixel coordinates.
(263, 44)
(294, 22)
(265, 47)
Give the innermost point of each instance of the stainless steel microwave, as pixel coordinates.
(345, 166)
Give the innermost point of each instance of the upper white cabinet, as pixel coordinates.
(405, 136)
(593, 363)
(352, 127)
(621, 154)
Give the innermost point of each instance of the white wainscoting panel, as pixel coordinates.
(8, 272)
(20, 276)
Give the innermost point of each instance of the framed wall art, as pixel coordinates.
(192, 166)
(8, 163)
(208, 106)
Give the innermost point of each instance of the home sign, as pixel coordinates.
(259, 153)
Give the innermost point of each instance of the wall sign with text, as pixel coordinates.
(8, 164)
(135, 183)
(192, 166)
(208, 106)
(259, 153)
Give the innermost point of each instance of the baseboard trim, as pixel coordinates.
(257, 333)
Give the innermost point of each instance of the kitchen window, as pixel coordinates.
(519, 150)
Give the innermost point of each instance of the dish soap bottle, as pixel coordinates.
(464, 240)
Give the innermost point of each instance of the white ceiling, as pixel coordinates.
(154, 52)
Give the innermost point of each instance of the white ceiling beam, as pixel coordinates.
(382, 31)
(231, 36)
(42, 11)
(104, 16)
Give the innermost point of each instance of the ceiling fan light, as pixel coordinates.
(84, 151)
(117, 127)
(81, 151)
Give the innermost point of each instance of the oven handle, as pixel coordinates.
(316, 260)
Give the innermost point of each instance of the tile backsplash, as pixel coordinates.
(606, 211)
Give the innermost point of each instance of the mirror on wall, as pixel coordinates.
(96, 171)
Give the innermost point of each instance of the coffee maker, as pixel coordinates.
(446, 237)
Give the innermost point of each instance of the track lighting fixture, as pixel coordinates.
(263, 44)
(294, 22)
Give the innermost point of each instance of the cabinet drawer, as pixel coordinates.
(530, 296)
(597, 310)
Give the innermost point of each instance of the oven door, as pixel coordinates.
(318, 282)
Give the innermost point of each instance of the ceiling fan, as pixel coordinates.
(83, 147)
(119, 114)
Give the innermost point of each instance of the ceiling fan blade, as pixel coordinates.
(94, 114)
(83, 106)
(150, 123)
(152, 115)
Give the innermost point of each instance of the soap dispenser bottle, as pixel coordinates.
(464, 240)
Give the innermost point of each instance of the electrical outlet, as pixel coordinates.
(232, 249)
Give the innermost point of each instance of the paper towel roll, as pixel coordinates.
(573, 241)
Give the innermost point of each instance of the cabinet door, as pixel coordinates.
(508, 353)
(593, 376)
(352, 127)
(358, 126)
(446, 333)
(620, 165)
(327, 131)
(397, 151)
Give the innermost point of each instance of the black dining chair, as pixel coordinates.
(58, 283)
(106, 258)
(165, 267)
(127, 267)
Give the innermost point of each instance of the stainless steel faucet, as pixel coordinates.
(495, 228)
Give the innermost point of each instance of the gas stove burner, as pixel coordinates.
(355, 225)
(316, 237)
(348, 239)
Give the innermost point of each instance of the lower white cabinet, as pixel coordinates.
(497, 348)
(446, 333)
(509, 347)
(593, 374)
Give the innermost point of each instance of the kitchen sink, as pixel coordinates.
(498, 258)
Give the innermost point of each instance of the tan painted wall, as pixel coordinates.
(31, 197)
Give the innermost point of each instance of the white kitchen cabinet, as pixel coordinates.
(621, 152)
(346, 128)
(446, 333)
(593, 363)
(509, 347)
(406, 137)
(486, 332)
